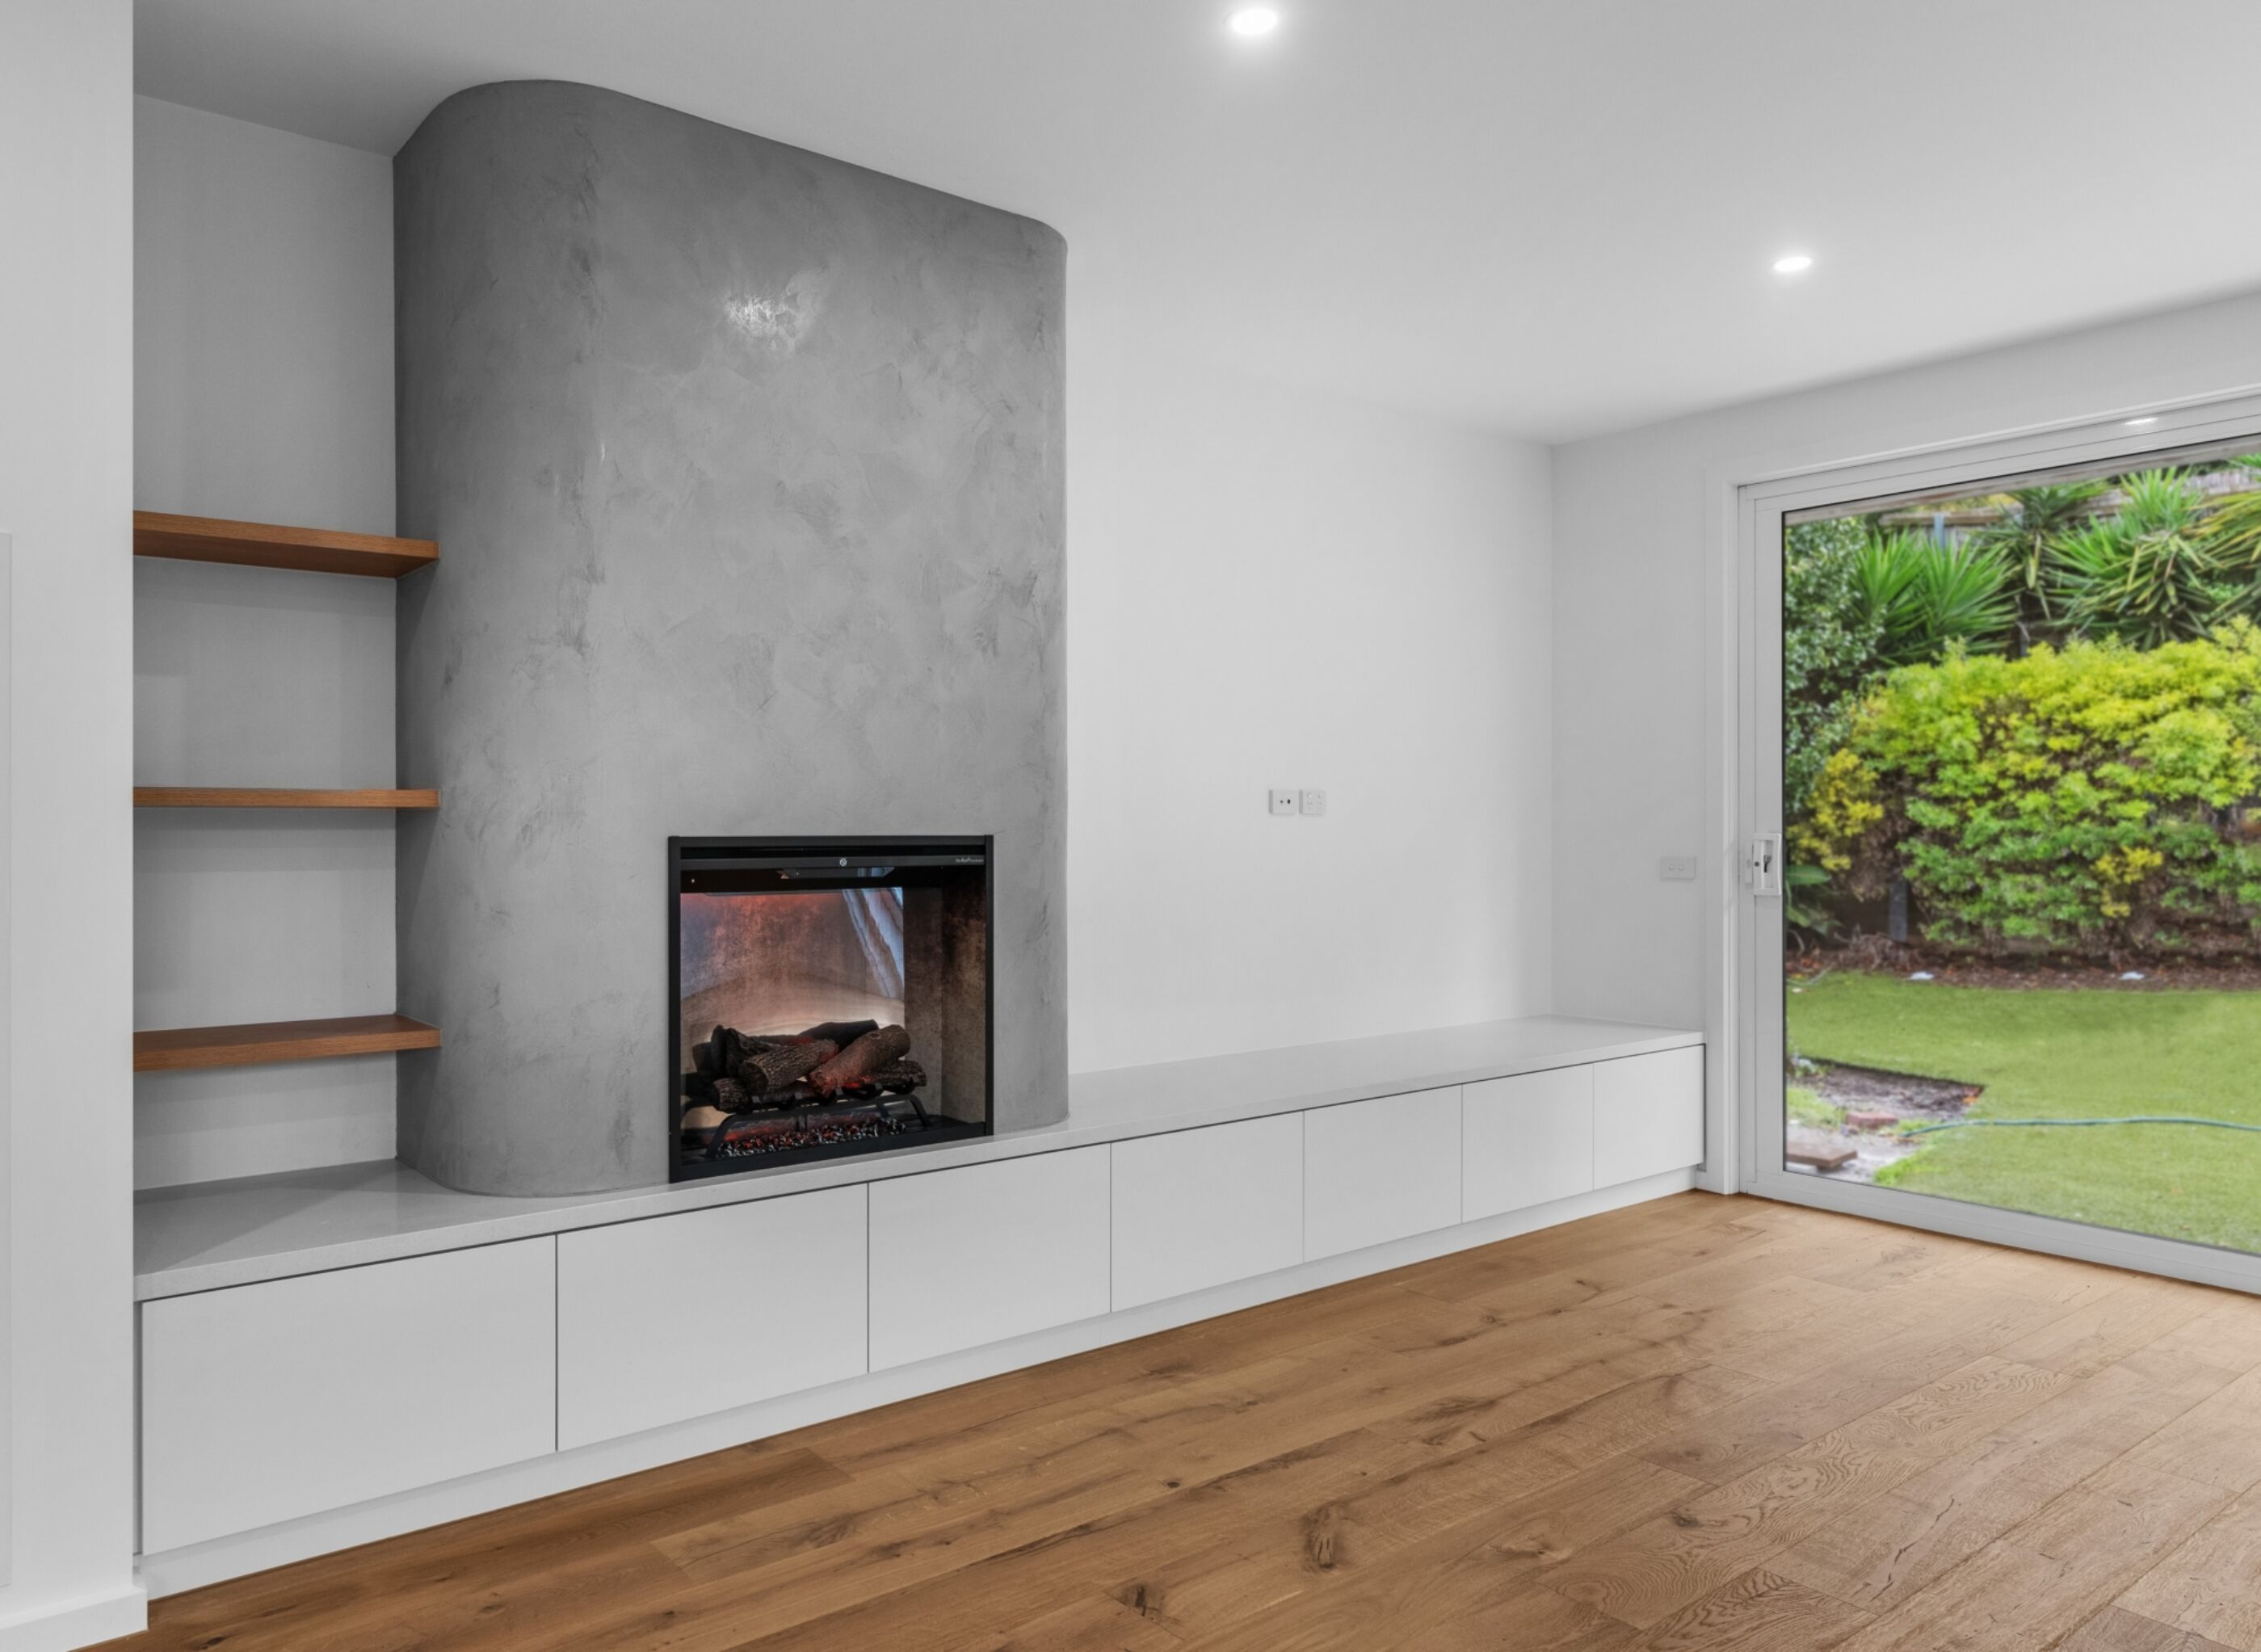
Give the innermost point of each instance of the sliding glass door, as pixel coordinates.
(2002, 918)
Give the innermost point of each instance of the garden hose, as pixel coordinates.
(2042, 1124)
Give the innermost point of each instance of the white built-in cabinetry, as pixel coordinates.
(1198, 1208)
(289, 1397)
(1643, 1121)
(269, 1402)
(678, 1316)
(1380, 1170)
(965, 1256)
(1526, 1139)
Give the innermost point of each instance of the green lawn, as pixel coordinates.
(2066, 1054)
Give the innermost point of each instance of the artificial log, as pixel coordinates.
(862, 1058)
(721, 1052)
(699, 1087)
(766, 1070)
(731, 1096)
(702, 1060)
(899, 1078)
(843, 1033)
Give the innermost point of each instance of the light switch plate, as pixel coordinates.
(1282, 803)
(1314, 802)
(1677, 868)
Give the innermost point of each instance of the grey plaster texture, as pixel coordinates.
(746, 466)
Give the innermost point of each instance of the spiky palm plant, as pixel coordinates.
(2232, 532)
(1928, 595)
(2037, 519)
(2148, 575)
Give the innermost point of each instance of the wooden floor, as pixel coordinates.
(1702, 1422)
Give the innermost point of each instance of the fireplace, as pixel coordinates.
(830, 996)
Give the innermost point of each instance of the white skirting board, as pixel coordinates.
(80, 1623)
(195, 1566)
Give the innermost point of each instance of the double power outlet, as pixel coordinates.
(1304, 802)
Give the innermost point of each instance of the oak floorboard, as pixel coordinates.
(2114, 1630)
(1877, 1554)
(2218, 1441)
(1490, 1273)
(1901, 1256)
(2195, 1587)
(1698, 1422)
(2058, 1279)
(2113, 1326)
(1429, 1590)
(1758, 1611)
(498, 1579)
(1437, 1510)
(1653, 1571)
(2051, 1573)
(1762, 1425)
(1093, 1623)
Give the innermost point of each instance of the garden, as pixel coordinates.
(2022, 794)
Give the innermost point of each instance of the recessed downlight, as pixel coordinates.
(1251, 21)
(2134, 424)
(1793, 263)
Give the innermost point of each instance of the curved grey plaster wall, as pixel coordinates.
(746, 469)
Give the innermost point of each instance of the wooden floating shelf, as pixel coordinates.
(264, 1041)
(262, 545)
(281, 797)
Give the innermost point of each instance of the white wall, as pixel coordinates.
(263, 389)
(1272, 587)
(66, 489)
(262, 309)
(1641, 537)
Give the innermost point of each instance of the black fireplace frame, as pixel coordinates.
(961, 849)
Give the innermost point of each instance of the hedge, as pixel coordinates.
(2062, 803)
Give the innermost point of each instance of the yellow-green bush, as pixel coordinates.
(2079, 801)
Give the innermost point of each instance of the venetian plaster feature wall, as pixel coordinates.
(746, 466)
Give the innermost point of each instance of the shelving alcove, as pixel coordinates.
(310, 551)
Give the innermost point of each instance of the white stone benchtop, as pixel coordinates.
(219, 1234)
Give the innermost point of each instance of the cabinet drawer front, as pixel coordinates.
(1206, 1207)
(683, 1316)
(960, 1258)
(1380, 1170)
(266, 1402)
(1649, 1115)
(1527, 1141)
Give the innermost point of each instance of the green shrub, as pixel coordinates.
(2060, 803)
(1830, 641)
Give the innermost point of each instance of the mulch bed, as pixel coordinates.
(1871, 955)
(1866, 1089)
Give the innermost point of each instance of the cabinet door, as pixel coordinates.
(1649, 1115)
(266, 1402)
(960, 1258)
(682, 1316)
(1380, 1170)
(1206, 1207)
(1526, 1141)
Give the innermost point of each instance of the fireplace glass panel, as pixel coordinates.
(830, 997)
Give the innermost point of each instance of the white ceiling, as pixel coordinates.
(1550, 217)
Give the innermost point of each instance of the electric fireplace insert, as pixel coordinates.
(830, 996)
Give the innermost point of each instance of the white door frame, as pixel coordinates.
(1747, 1149)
